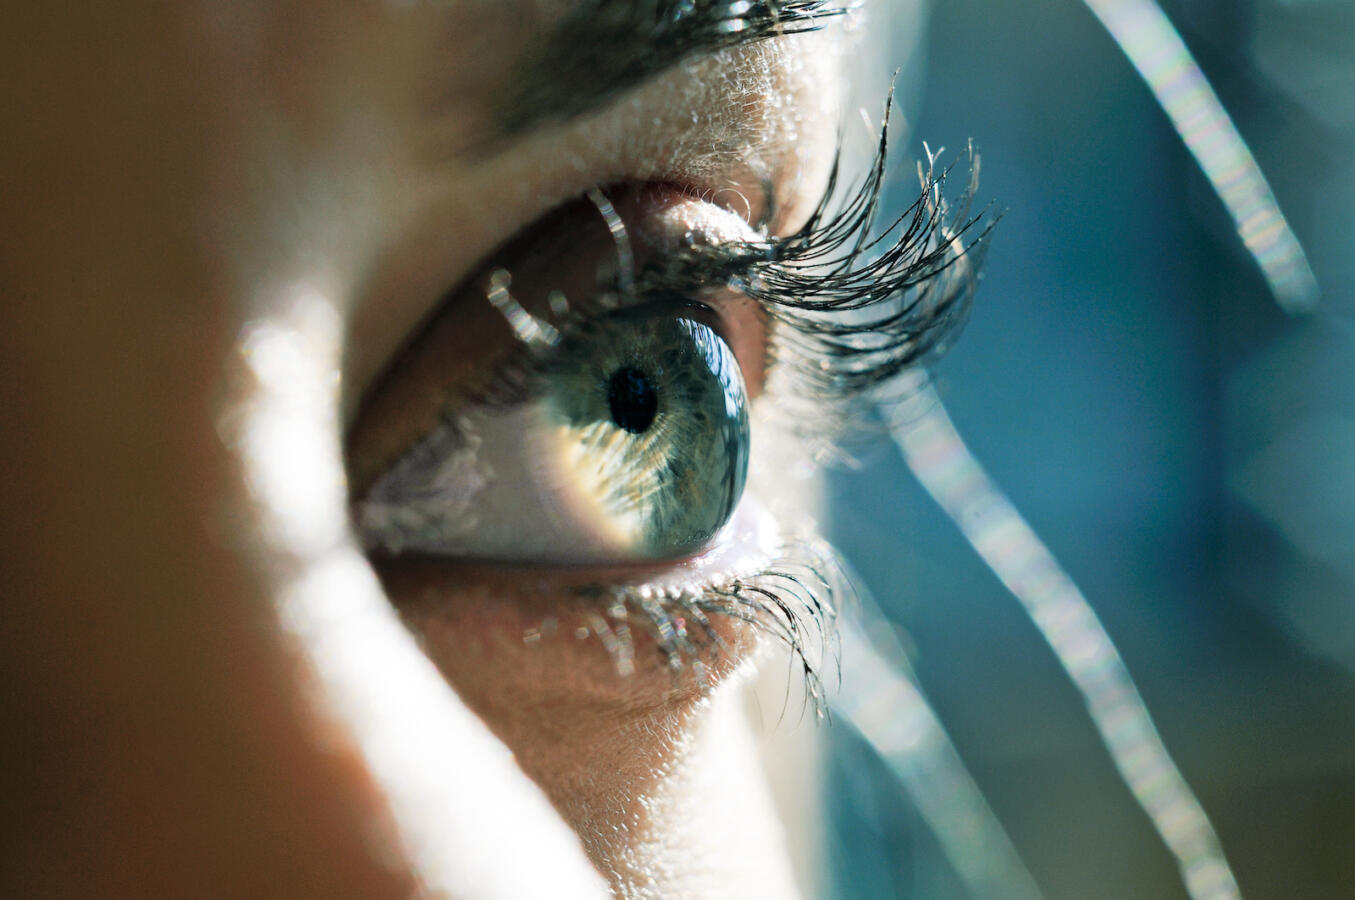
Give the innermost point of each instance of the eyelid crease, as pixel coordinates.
(632, 42)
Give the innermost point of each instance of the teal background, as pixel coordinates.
(1185, 448)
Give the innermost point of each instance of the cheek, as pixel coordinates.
(537, 668)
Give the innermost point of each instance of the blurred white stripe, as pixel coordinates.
(880, 699)
(1155, 49)
(943, 464)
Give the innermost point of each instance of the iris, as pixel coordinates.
(650, 424)
(631, 444)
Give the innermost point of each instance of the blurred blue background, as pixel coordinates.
(1185, 449)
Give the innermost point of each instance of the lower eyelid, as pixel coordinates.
(692, 611)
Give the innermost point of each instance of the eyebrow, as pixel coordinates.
(602, 48)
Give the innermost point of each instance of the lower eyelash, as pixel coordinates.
(793, 598)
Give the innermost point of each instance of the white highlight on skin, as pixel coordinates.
(716, 799)
(291, 462)
(464, 815)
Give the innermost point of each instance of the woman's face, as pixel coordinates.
(270, 243)
(552, 512)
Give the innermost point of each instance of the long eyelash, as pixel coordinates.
(918, 287)
(851, 306)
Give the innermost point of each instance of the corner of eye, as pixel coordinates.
(374, 437)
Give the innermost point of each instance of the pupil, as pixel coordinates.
(633, 400)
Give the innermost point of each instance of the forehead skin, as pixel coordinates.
(176, 172)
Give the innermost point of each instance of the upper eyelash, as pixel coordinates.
(922, 283)
(853, 306)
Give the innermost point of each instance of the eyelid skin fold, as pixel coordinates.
(557, 82)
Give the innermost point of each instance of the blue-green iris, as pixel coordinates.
(650, 423)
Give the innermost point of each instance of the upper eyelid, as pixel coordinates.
(691, 290)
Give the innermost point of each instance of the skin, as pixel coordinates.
(186, 713)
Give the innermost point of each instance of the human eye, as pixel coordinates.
(589, 402)
(611, 425)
